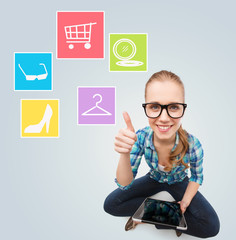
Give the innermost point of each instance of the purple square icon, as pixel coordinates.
(96, 105)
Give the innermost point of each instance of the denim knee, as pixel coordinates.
(213, 226)
(209, 225)
(107, 206)
(110, 205)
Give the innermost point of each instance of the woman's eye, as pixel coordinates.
(174, 107)
(155, 106)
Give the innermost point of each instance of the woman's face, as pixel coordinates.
(166, 92)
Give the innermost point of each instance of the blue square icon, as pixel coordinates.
(33, 71)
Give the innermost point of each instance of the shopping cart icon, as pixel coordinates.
(79, 34)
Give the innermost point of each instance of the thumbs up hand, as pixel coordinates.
(126, 137)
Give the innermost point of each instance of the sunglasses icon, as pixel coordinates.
(34, 77)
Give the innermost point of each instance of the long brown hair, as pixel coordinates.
(176, 157)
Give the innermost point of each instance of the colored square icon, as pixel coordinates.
(33, 71)
(40, 118)
(128, 52)
(80, 35)
(96, 105)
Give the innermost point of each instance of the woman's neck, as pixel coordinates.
(166, 143)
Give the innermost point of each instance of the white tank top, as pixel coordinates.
(161, 168)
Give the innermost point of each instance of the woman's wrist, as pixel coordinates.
(184, 205)
(186, 201)
(189, 194)
(124, 174)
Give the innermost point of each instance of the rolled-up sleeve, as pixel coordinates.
(196, 162)
(135, 159)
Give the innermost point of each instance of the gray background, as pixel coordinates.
(55, 188)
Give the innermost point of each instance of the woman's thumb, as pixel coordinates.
(128, 122)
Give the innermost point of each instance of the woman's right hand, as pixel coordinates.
(126, 137)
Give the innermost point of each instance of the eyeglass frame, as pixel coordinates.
(164, 107)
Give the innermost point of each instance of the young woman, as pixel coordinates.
(169, 152)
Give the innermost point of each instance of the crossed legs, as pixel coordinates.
(201, 218)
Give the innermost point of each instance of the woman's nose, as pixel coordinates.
(164, 116)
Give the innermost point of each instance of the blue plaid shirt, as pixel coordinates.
(144, 146)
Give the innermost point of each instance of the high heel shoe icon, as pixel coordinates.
(37, 128)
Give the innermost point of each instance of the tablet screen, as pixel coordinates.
(162, 212)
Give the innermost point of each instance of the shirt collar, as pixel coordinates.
(149, 140)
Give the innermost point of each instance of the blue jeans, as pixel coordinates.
(201, 218)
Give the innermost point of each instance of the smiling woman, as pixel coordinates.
(169, 151)
(167, 88)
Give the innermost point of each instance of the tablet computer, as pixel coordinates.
(160, 212)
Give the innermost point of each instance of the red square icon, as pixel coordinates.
(80, 35)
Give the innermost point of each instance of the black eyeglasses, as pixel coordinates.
(174, 110)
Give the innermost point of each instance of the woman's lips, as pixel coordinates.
(164, 128)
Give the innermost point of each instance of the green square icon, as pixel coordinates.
(128, 52)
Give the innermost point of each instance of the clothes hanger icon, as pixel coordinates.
(103, 111)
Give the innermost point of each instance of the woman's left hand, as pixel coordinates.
(183, 205)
